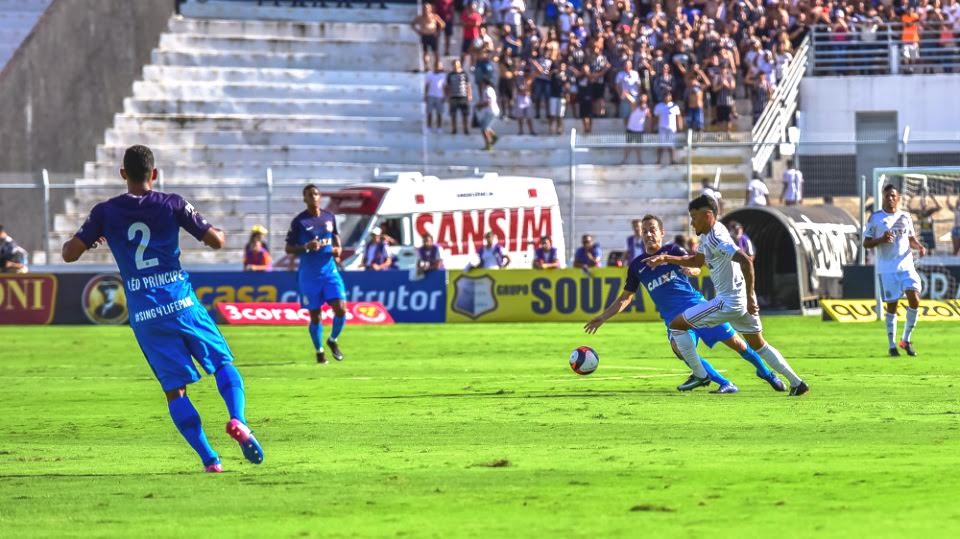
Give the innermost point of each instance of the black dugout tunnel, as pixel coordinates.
(801, 251)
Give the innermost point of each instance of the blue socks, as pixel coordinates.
(713, 374)
(338, 322)
(230, 385)
(754, 359)
(316, 335)
(187, 420)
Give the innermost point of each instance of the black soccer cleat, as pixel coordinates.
(799, 389)
(321, 358)
(335, 350)
(908, 348)
(894, 352)
(692, 383)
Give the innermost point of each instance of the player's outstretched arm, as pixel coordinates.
(695, 260)
(214, 238)
(615, 308)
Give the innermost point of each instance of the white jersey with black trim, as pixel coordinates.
(896, 256)
(718, 249)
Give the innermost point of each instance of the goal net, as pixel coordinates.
(931, 196)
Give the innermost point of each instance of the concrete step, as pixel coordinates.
(412, 111)
(383, 49)
(325, 137)
(316, 60)
(220, 9)
(252, 75)
(218, 91)
(266, 122)
(294, 29)
(356, 154)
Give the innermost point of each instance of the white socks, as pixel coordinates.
(891, 320)
(911, 323)
(688, 350)
(773, 358)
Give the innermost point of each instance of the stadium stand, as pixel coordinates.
(17, 19)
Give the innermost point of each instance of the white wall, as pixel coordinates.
(929, 104)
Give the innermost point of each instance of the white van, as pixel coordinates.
(457, 212)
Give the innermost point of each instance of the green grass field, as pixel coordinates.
(483, 431)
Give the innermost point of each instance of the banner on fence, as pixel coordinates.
(865, 310)
(291, 314)
(544, 295)
(27, 298)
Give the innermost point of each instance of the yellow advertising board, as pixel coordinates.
(559, 295)
(865, 310)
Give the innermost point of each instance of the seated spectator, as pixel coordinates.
(588, 254)
(635, 246)
(429, 255)
(545, 257)
(13, 258)
(741, 239)
(376, 255)
(490, 255)
(256, 257)
(259, 232)
(680, 240)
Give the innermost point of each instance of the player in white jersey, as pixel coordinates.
(736, 301)
(891, 232)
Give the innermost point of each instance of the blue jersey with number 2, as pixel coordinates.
(143, 233)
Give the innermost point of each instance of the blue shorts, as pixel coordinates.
(321, 289)
(172, 345)
(709, 336)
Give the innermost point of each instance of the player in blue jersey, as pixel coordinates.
(171, 325)
(314, 238)
(672, 293)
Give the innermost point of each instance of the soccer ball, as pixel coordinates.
(584, 360)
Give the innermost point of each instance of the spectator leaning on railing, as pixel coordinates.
(13, 258)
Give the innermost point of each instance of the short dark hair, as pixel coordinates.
(680, 240)
(890, 187)
(308, 187)
(1, 228)
(138, 162)
(704, 201)
(651, 217)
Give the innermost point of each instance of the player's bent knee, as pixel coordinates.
(680, 323)
(755, 340)
(174, 394)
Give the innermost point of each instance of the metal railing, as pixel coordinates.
(879, 48)
(771, 127)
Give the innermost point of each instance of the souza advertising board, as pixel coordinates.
(545, 295)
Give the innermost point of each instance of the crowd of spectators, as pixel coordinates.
(630, 59)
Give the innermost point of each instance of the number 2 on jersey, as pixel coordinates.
(144, 240)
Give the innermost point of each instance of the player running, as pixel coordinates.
(891, 232)
(170, 324)
(314, 238)
(672, 294)
(736, 300)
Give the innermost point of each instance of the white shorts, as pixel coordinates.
(894, 284)
(717, 311)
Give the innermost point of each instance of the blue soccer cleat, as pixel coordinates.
(726, 389)
(244, 436)
(776, 383)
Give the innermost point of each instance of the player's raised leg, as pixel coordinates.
(316, 335)
(686, 347)
(776, 360)
(336, 295)
(913, 304)
(738, 345)
(187, 420)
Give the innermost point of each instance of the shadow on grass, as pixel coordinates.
(511, 395)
